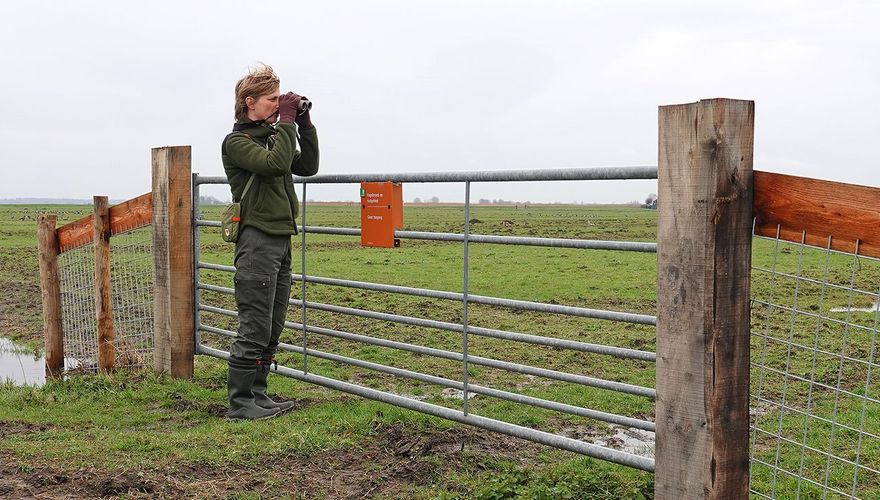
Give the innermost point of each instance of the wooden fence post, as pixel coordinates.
(173, 261)
(103, 290)
(50, 284)
(703, 285)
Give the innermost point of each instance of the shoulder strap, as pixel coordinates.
(246, 187)
(251, 178)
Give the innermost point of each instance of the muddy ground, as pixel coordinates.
(393, 460)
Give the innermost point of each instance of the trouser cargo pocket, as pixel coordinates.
(254, 294)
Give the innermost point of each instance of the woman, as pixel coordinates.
(259, 157)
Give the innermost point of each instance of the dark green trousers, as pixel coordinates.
(262, 291)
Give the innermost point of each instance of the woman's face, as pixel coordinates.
(263, 107)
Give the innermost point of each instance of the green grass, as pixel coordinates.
(135, 421)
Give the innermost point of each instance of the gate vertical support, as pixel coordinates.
(302, 250)
(50, 285)
(703, 285)
(103, 291)
(173, 301)
(197, 253)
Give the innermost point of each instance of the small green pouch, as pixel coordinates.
(230, 224)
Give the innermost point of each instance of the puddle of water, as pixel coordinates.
(453, 393)
(24, 367)
(631, 440)
(21, 366)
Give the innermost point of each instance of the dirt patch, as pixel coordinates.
(404, 441)
(392, 460)
(18, 480)
(395, 458)
(14, 427)
(123, 484)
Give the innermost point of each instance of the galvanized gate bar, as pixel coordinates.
(487, 391)
(477, 360)
(620, 246)
(464, 297)
(618, 457)
(550, 174)
(523, 305)
(493, 363)
(619, 352)
(197, 256)
(305, 344)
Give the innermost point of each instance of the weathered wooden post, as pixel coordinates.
(172, 261)
(50, 285)
(103, 289)
(703, 270)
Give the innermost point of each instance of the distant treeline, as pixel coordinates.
(49, 201)
(204, 200)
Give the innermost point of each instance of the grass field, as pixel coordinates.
(138, 434)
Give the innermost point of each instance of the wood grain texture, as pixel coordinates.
(76, 234)
(103, 287)
(50, 287)
(173, 314)
(846, 212)
(134, 213)
(703, 266)
(130, 214)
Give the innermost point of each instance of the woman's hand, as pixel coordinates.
(304, 119)
(288, 105)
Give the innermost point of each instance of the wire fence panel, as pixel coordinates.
(76, 269)
(131, 272)
(815, 398)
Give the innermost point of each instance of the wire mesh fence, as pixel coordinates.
(78, 321)
(131, 274)
(815, 399)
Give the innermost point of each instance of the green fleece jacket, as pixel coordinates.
(270, 204)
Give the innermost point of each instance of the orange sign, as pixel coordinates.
(381, 213)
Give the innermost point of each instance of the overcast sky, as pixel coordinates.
(399, 86)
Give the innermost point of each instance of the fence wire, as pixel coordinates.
(131, 282)
(815, 397)
(76, 269)
(131, 275)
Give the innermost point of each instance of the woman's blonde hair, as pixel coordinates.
(259, 81)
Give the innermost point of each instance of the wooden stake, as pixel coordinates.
(50, 285)
(703, 285)
(103, 289)
(173, 313)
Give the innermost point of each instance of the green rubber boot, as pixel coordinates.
(260, 397)
(240, 382)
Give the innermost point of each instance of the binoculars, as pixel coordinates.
(304, 105)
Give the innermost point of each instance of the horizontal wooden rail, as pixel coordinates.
(125, 216)
(131, 214)
(846, 212)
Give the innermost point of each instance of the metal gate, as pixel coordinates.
(462, 328)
